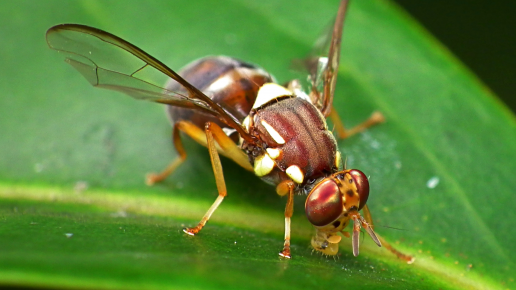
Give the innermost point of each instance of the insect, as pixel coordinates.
(236, 109)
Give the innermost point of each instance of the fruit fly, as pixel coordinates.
(237, 109)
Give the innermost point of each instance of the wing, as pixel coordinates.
(322, 63)
(110, 62)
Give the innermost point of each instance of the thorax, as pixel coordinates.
(297, 142)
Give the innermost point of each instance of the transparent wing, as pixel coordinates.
(110, 62)
(322, 63)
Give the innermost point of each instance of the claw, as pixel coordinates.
(285, 254)
(190, 231)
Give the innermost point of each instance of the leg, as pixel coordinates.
(219, 176)
(224, 145)
(358, 223)
(342, 133)
(369, 219)
(152, 178)
(287, 187)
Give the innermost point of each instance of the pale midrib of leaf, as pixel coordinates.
(174, 207)
(40, 280)
(257, 218)
(150, 204)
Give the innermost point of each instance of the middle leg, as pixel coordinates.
(213, 133)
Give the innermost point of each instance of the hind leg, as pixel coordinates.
(152, 178)
(224, 145)
(342, 132)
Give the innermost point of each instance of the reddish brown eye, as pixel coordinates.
(362, 184)
(324, 203)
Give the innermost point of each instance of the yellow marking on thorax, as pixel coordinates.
(338, 159)
(273, 152)
(295, 173)
(268, 92)
(263, 165)
(274, 134)
(220, 84)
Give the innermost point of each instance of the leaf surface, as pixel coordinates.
(75, 213)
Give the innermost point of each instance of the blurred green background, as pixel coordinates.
(482, 34)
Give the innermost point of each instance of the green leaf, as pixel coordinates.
(75, 213)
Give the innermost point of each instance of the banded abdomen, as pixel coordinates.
(231, 83)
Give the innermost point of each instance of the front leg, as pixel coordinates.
(284, 188)
(408, 258)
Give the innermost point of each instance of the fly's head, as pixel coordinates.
(332, 204)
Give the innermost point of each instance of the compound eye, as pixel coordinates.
(362, 184)
(324, 203)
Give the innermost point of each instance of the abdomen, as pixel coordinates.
(231, 83)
